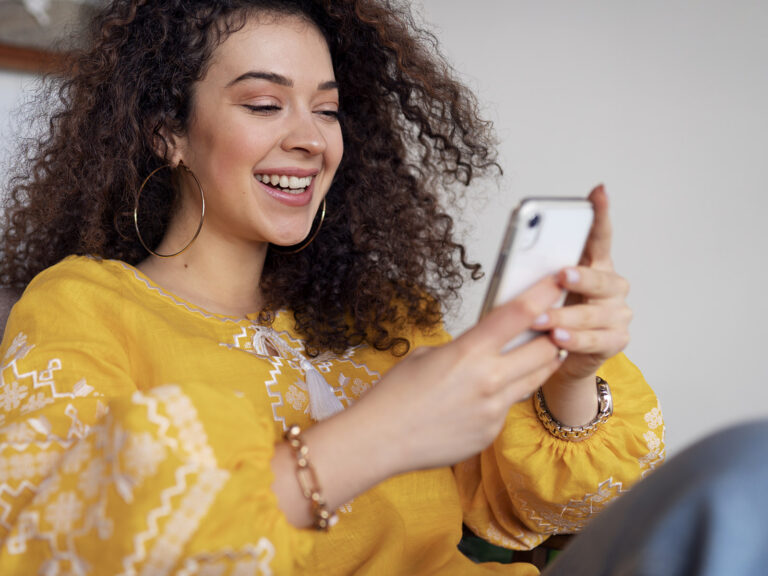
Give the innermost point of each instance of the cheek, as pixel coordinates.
(336, 149)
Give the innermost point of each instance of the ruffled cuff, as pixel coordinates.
(529, 484)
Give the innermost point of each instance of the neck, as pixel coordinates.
(223, 279)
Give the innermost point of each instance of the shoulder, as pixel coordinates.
(78, 286)
(80, 270)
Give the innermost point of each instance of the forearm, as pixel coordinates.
(349, 454)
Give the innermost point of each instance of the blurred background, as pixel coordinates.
(666, 102)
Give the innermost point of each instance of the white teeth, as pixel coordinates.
(290, 182)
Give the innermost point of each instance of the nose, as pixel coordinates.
(304, 134)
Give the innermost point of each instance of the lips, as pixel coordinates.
(289, 197)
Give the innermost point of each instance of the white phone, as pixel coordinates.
(544, 235)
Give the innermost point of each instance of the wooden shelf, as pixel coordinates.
(24, 59)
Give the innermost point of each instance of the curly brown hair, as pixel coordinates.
(386, 255)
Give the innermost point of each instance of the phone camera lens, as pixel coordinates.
(533, 222)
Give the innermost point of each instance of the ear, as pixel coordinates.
(168, 146)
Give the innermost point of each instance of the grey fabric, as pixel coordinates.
(8, 298)
(703, 513)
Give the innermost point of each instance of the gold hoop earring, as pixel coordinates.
(291, 249)
(136, 211)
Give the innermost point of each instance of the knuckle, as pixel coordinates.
(588, 340)
(588, 316)
(493, 410)
(598, 282)
(623, 286)
(490, 382)
(523, 309)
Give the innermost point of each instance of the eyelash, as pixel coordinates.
(262, 109)
(270, 109)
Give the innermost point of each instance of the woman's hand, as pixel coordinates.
(441, 405)
(436, 407)
(592, 327)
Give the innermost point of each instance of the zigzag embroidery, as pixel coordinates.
(45, 379)
(173, 298)
(153, 416)
(165, 509)
(45, 445)
(4, 506)
(215, 478)
(275, 396)
(191, 510)
(580, 510)
(263, 552)
(346, 357)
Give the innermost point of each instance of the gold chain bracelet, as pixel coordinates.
(575, 433)
(305, 473)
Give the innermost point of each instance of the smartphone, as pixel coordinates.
(544, 235)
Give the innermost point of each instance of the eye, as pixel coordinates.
(264, 110)
(330, 114)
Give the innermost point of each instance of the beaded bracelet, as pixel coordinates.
(575, 433)
(305, 473)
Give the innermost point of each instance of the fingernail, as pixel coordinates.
(541, 320)
(561, 335)
(572, 275)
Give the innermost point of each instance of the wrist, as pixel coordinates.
(571, 401)
(346, 461)
(578, 432)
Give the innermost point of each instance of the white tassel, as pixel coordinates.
(323, 402)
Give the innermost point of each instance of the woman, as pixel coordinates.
(237, 228)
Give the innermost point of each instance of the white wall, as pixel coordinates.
(13, 92)
(667, 103)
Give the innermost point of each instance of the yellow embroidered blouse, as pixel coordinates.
(136, 433)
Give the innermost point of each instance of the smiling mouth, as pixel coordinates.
(289, 184)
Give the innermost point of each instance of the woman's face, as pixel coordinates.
(263, 138)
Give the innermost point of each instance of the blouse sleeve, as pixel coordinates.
(99, 477)
(528, 484)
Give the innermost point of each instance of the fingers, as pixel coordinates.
(519, 364)
(606, 343)
(524, 387)
(514, 376)
(505, 322)
(594, 284)
(598, 248)
(597, 327)
(585, 317)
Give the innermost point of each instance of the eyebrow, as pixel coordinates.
(279, 79)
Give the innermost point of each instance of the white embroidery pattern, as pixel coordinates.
(173, 298)
(296, 397)
(572, 517)
(69, 503)
(286, 386)
(495, 536)
(653, 441)
(249, 560)
(198, 481)
(29, 448)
